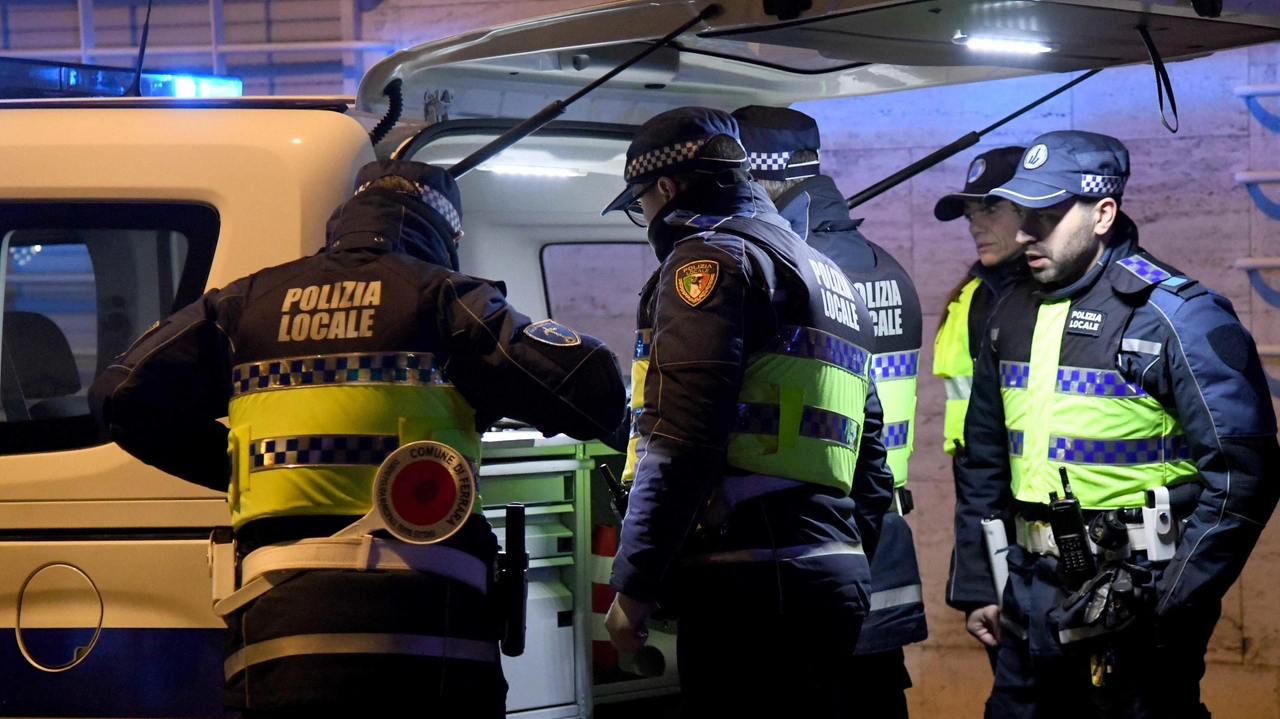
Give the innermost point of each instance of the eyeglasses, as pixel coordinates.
(634, 210)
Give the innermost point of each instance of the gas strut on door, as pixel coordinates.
(557, 108)
(958, 146)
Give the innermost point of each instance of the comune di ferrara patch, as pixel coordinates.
(695, 281)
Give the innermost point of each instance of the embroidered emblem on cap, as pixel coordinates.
(1101, 185)
(1035, 157)
(553, 333)
(978, 167)
(695, 281)
(769, 160)
(662, 157)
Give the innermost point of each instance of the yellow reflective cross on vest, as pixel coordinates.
(1115, 440)
(308, 433)
(953, 362)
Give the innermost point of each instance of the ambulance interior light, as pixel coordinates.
(533, 171)
(1003, 45)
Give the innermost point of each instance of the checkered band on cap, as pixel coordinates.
(1144, 269)
(432, 198)
(1101, 185)
(353, 368)
(895, 365)
(653, 160)
(1140, 450)
(1095, 383)
(895, 434)
(319, 450)
(771, 161)
(815, 423)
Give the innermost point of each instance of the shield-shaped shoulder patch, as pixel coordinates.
(695, 280)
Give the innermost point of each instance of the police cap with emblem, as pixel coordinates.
(987, 172)
(773, 136)
(435, 186)
(1065, 164)
(401, 206)
(671, 143)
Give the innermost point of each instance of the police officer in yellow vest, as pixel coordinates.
(782, 145)
(759, 472)
(325, 365)
(1141, 386)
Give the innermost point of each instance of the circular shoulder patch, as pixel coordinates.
(978, 167)
(1035, 157)
(424, 492)
(549, 331)
(553, 333)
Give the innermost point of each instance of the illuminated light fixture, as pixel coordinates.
(190, 86)
(534, 171)
(1003, 45)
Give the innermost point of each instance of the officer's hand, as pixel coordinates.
(984, 624)
(625, 623)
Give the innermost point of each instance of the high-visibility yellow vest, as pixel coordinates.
(308, 433)
(800, 409)
(953, 362)
(895, 374)
(1115, 440)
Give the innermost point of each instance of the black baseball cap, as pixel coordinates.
(1066, 163)
(988, 171)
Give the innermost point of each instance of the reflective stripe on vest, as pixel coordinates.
(895, 375)
(417, 645)
(953, 363)
(1115, 440)
(815, 385)
(308, 433)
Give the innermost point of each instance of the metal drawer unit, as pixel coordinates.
(551, 477)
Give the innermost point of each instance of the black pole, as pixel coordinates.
(958, 146)
(557, 108)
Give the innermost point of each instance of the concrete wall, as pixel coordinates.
(1190, 213)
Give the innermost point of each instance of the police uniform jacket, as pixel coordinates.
(1166, 336)
(162, 399)
(691, 390)
(818, 213)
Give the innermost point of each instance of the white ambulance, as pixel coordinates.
(115, 212)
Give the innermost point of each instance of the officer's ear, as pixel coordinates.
(667, 188)
(1105, 212)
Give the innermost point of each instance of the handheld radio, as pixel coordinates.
(1069, 533)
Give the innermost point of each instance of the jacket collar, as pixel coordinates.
(819, 206)
(726, 194)
(1002, 277)
(1124, 243)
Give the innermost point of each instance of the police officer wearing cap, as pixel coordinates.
(1142, 385)
(995, 228)
(758, 467)
(783, 147)
(323, 366)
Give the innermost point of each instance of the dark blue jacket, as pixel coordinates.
(817, 212)
(1181, 343)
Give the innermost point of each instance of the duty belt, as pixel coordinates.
(1037, 537)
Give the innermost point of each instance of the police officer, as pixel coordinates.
(759, 472)
(324, 365)
(783, 147)
(1141, 383)
(995, 227)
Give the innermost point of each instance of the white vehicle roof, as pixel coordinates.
(835, 48)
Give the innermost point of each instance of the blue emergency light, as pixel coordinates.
(30, 79)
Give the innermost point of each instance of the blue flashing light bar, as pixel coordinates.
(28, 79)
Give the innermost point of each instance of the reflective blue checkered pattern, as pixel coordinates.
(434, 199)
(1101, 184)
(1014, 375)
(1016, 438)
(771, 161)
(319, 450)
(661, 157)
(815, 423)
(1144, 269)
(815, 344)
(896, 434)
(1095, 383)
(354, 368)
(895, 365)
(1143, 450)
(644, 339)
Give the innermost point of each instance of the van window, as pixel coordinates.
(81, 282)
(594, 288)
